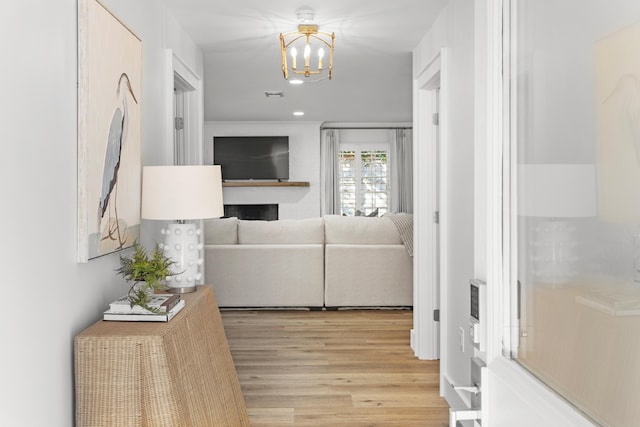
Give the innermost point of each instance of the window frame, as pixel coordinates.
(358, 148)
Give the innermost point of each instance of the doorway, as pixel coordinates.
(181, 90)
(186, 116)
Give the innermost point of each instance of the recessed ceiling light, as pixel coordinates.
(298, 113)
(296, 82)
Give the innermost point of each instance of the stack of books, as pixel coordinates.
(165, 306)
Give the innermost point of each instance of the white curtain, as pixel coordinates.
(330, 146)
(402, 170)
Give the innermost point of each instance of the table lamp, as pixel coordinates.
(556, 193)
(182, 193)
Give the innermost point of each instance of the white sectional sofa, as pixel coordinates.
(332, 261)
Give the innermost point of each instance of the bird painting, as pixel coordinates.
(114, 232)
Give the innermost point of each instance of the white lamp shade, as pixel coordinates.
(557, 190)
(182, 192)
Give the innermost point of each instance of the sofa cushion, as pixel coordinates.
(221, 231)
(287, 231)
(360, 230)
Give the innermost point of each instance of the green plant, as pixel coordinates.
(146, 272)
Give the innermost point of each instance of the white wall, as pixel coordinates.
(304, 165)
(454, 30)
(49, 298)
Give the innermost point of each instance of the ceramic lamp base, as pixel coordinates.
(182, 246)
(173, 290)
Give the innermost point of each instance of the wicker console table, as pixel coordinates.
(178, 373)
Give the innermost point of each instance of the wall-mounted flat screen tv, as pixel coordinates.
(252, 157)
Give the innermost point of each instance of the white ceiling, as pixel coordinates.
(372, 60)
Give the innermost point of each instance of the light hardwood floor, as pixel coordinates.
(333, 368)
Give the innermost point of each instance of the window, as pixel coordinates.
(364, 179)
(575, 145)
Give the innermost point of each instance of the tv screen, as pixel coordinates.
(252, 157)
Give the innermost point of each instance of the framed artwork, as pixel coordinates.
(109, 159)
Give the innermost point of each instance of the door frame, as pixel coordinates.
(178, 72)
(430, 258)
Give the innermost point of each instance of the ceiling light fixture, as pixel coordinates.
(312, 43)
(298, 113)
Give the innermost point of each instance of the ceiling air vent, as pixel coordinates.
(273, 94)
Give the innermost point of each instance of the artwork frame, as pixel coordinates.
(109, 132)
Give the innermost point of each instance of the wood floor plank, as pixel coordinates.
(333, 368)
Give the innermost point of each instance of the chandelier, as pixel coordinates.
(313, 45)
